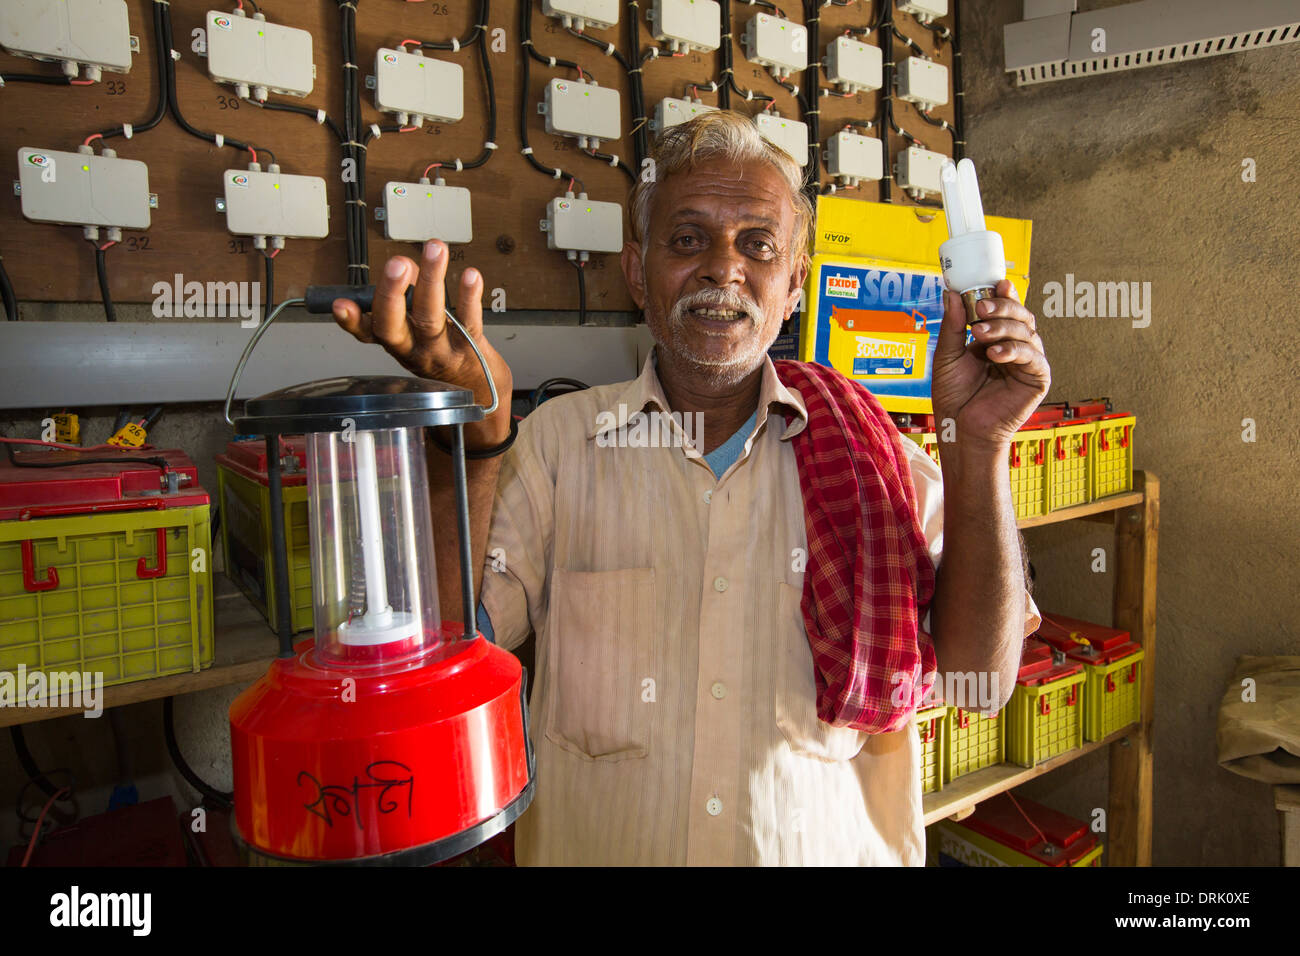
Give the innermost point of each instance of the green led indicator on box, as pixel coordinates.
(86, 168)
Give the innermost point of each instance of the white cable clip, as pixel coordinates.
(489, 145)
(459, 167)
(376, 131)
(749, 95)
(558, 174)
(175, 55)
(455, 45)
(613, 160)
(320, 117)
(128, 130)
(527, 151)
(552, 59)
(219, 140)
(609, 50)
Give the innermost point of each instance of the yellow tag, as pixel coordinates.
(131, 435)
(67, 428)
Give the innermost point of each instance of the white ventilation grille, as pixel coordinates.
(1175, 53)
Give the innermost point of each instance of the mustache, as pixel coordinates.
(727, 299)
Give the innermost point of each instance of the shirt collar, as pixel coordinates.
(646, 389)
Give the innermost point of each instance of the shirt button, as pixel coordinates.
(719, 584)
(708, 496)
(718, 690)
(714, 806)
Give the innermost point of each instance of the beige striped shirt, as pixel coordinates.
(673, 710)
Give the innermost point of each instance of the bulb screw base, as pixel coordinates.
(970, 297)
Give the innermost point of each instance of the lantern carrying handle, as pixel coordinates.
(357, 293)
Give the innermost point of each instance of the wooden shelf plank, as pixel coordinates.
(245, 647)
(1112, 503)
(965, 792)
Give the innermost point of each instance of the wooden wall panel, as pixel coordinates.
(188, 235)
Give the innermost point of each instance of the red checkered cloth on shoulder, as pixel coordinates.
(869, 578)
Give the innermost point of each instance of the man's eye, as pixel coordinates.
(761, 246)
(684, 241)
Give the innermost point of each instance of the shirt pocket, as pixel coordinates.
(601, 634)
(796, 690)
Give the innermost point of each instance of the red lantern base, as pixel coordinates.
(405, 764)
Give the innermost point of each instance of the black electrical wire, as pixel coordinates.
(526, 10)
(7, 293)
(162, 55)
(302, 111)
(36, 78)
(944, 124)
(810, 105)
(612, 160)
(582, 290)
(728, 84)
(270, 284)
(477, 38)
(153, 460)
(173, 103)
(28, 762)
(253, 4)
(540, 392)
(885, 26)
(525, 34)
(223, 800)
(354, 148)
(636, 86)
(101, 270)
(604, 46)
(958, 92)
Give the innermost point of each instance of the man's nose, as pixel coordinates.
(722, 265)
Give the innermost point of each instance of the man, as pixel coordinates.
(676, 703)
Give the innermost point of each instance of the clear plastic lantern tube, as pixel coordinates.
(374, 581)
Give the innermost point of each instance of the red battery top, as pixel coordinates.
(248, 458)
(1103, 644)
(60, 487)
(1030, 828)
(1038, 666)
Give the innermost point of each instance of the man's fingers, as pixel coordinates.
(1004, 308)
(952, 330)
(991, 331)
(427, 317)
(349, 318)
(388, 314)
(469, 309)
(1030, 362)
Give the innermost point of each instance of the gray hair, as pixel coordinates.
(730, 136)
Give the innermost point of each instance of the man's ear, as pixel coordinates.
(797, 277)
(633, 272)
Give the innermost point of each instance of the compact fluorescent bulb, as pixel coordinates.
(973, 259)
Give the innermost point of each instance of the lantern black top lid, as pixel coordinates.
(367, 402)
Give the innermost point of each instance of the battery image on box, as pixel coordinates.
(392, 736)
(98, 569)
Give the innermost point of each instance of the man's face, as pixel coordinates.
(719, 270)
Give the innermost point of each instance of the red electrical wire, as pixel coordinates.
(92, 136)
(1012, 796)
(429, 167)
(36, 834)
